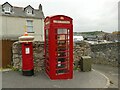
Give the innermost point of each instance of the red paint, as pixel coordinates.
(27, 57)
(58, 53)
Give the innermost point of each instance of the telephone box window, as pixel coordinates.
(62, 31)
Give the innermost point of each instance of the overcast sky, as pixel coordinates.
(88, 15)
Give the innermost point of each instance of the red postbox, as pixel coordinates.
(59, 47)
(27, 55)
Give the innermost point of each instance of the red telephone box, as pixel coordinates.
(59, 47)
(27, 59)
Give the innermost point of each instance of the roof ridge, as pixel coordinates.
(23, 7)
(19, 12)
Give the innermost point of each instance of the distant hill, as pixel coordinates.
(94, 33)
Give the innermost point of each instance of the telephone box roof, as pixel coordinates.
(55, 16)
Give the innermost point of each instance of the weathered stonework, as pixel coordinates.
(17, 57)
(107, 53)
(81, 49)
(38, 54)
(100, 53)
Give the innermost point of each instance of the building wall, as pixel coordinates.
(13, 27)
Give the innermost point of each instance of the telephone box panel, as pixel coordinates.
(59, 47)
(27, 58)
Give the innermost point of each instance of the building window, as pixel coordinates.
(30, 26)
(30, 12)
(7, 9)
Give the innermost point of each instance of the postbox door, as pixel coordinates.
(62, 51)
(27, 56)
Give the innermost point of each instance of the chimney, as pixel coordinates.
(40, 7)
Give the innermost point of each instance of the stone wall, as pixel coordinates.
(38, 54)
(100, 53)
(81, 49)
(17, 57)
(107, 53)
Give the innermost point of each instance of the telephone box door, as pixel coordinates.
(62, 51)
(59, 47)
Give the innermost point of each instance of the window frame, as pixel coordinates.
(7, 9)
(29, 26)
(29, 12)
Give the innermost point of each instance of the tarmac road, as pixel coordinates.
(110, 72)
(92, 79)
(13, 79)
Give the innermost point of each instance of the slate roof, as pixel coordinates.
(20, 12)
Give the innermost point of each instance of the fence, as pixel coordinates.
(6, 48)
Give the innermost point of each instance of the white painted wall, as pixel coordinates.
(0, 27)
(14, 27)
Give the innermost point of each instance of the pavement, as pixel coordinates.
(111, 72)
(92, 79)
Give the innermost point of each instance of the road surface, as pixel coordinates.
(110, 72)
